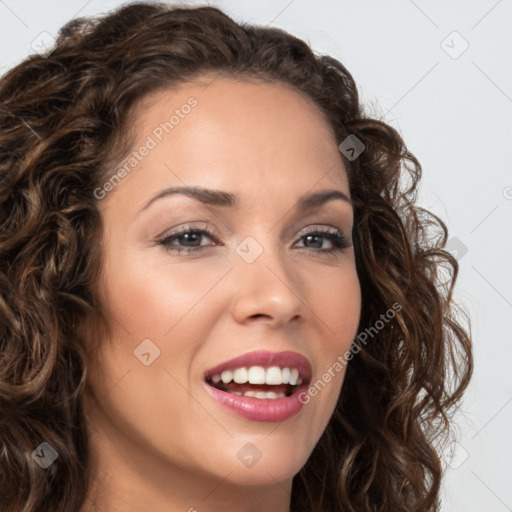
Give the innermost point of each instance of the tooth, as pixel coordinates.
(285, 375)
(216, 379)
(294, 375)
(299, 382)
(270, 395)
(256, 375)
(227, 376)
(240, 375)
(237, 393)
(274, 375)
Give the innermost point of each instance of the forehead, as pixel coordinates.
(236, 134)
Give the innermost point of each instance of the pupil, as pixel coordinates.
(308, 237)
(186, 236)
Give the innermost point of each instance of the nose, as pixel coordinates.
(269, 290)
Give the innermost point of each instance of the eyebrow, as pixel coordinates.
(223, 199)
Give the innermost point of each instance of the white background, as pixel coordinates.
(455, 115)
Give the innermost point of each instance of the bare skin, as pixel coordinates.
(159, 441)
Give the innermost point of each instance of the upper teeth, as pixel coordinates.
(259, 375)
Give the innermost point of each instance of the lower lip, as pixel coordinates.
(258, 409)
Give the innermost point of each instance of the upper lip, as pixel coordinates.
(286, 359)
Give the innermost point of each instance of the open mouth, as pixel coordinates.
(261, 385)
(258, 382)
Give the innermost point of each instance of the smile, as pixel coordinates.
(260, 386)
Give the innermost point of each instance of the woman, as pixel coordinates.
(217, 291)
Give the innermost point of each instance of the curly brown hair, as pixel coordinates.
(64, 121)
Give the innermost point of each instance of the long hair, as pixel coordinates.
(65, 124)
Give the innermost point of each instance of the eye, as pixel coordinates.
(337, 239)
(189, 240)
(189, 235)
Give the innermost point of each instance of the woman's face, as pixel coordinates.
(255, 286)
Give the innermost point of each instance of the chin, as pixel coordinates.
(262, 460)
(264, 473)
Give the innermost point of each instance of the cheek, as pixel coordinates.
(337, 303)
(152, 297)
(339, 306)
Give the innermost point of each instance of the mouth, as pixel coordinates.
(258, 381)
(262, 386)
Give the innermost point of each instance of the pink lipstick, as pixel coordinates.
(261, 385)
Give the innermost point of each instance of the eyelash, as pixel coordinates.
(338, 239)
